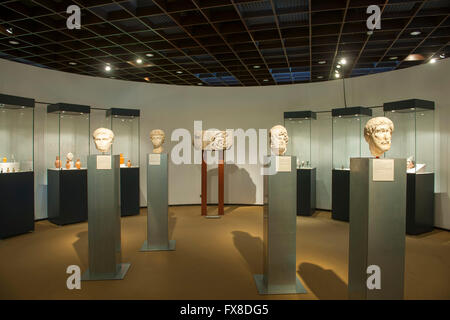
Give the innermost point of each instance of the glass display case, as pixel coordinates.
(298, 125)
(348, 142)
(16, 165)
(125, 123)
(413, 140)
(68, 139)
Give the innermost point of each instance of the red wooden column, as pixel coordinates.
(204, 183)
(221, 183)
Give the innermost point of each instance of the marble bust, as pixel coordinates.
(213, 139)
(278, 140)
(157, 137)
(378, 134)
(103, 139)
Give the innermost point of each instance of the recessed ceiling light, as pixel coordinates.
(179, 72)
(442, 55)
(256, 67)
(139, 60)
(200, 83)
(72, 63)
(266, 80)
(337, 75)
(322, 62)
(343, 61)
(14, 42)
(150, 55)
(319, 77)
(415, 33)
(433, 60)
(393, 58)
(107, 68)
(338, 66)
(9, 30)
(414, 57)
(147, 79)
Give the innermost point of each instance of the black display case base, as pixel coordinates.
(17, 204)
(340, 197)
(129, 191)
(306, 191)
(419, 203)
(67, 196)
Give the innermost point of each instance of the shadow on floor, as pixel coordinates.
(81, 248)
(251, 249)
(325, 284)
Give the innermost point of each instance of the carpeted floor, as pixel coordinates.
(214, 259)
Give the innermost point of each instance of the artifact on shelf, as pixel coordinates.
(4, 159)
(278, 140)
(103, 139)
(122, 159)
(57, 162)
(378, 134)
(78, 164)
(129, 164)
(157, 137)
(68, 164)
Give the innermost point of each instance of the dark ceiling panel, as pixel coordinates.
(223, 42)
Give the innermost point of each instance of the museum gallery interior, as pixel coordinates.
(226, 149)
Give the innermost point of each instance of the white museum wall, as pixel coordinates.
(171, 107)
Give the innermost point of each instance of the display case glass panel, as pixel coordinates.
(413, 136)
(125, 125)
(68, 137)
(16, 137)
(298, 125)
(348, 135)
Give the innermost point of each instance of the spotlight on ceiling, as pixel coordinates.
(442, 55)
(266, 80)
(415, 33)
(338, 66)
(200, 83)
(337, 75)
(14, 42)
(414, 57)
(256, 67)
(72, 63)
(138, 60)
(319, 77)
(322, 62)
(107, 68)
(393, 58)
(9, 30)
(433, 60)
(147, 79)
(179, 72)
(149, 55)
(343, 61)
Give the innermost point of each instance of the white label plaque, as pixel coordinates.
(283, 164)
(154, 159)
(383, 170)
(103, 162)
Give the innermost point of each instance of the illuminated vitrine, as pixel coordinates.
(298, 125)
(348, 142)
(16, 165)
(125, 123)
(413, 140)
(68, 142)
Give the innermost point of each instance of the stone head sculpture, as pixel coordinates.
(157, 136)
(103, 139)
(378, 134)
(278, 140)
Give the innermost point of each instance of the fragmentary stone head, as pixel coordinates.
(213, 139)
(157, 137)
(103, 139)
(278, 140)
(378, 134)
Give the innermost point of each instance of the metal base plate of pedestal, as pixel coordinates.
(145, 247)
(87, 276)
(262, 289)
(212, 217)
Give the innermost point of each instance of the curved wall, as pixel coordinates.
(171, 107)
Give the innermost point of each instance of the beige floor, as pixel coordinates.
(214, 259)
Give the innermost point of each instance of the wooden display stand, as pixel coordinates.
(205, 184)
